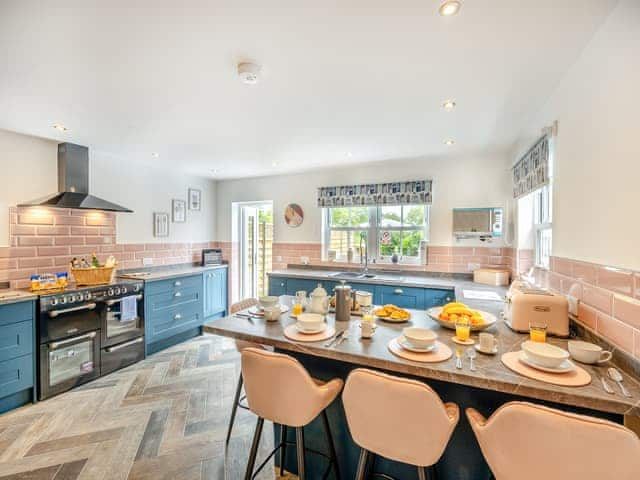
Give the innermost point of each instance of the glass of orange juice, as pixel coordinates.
(538, 332)
(463, 330)
(296, 309)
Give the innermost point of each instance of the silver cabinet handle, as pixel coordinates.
(55, 345)
(282, 284)
(113, 302)
(177, 316)
(123, 345)
(398, 291)
(177, 283)
(177, 294)
(88, 306)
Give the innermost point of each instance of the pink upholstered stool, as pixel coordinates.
(397, 418)
(240, 345)
(279, 389)
(524, 441)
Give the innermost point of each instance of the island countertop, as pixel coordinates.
(491, 374)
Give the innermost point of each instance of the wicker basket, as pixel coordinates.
(93, 276)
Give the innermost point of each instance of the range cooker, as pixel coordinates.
(84, 333)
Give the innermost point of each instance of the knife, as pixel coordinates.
(459, 358)
(605, 385)
(334, 339)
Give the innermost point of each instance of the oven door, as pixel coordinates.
(67, 363)
(116, 328)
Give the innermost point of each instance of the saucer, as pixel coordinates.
(258, 310)
(486, 352)
(402, 341)
(564, 367)
(311, 332)
(462, 342)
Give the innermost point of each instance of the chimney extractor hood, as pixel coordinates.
(73, 183)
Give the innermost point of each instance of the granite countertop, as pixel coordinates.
(152, 274)
(15, 296)
(491, 374)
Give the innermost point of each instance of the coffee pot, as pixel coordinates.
(344, 302)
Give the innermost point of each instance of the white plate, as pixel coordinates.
(486, 352)
(260, 311)
(489, 319)
(392, 320)
(564, 367)
(311, 332)
(407, 346)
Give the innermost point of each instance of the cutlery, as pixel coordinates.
(334, 339)
(459, 358)
(345, 336)
(246, 317)
(605, 385)
(471, 354)
(616, 376)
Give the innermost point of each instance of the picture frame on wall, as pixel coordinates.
(195, 199)
(178, 211)
(160, 224)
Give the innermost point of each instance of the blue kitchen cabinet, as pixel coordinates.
(277, 286)
(296, 284)
(215, 293)
(17, 359)
(434, 297)
(403, 297)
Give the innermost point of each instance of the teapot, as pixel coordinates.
(318, 301)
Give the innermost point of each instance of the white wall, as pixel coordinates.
(597, 158)
(457, 182)
(29, 170)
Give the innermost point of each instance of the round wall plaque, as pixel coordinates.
(293, 215)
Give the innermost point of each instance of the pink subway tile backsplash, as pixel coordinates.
(585, 272)
(617, 332)
(563, 266)
(587, 315)
(614, 279)
(627, 310)
(636, 343)
(597, 298)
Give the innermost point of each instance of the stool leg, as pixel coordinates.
(332, 446)
(283, 447)
(234, 409)
(254, 449)
(362, 465)
(422, 474)
(300, 450)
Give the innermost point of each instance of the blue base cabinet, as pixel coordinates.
(17, 359)
(215, 293)
(404, 297)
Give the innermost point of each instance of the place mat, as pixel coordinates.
(576, 378)
(292, 333)
(441, 354)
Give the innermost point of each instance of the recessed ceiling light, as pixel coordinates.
(249, 73)
(449, 8)
(59, 127)
(155, 154)
(449, 141)
(274, 164)
(449, 105)
(215, 171)
(349, 154)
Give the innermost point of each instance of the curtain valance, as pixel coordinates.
(394, 193)
(532, 170)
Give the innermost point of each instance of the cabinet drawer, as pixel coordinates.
(172, 321)
(171, 285)
(403, 297)
(16, 375)
(277, 286)
(434, 297)
(16, 340)
(16, 312)
(179, 296)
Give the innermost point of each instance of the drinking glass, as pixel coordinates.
(296, 309)
(538, 332)
(463, 330)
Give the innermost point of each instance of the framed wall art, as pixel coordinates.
(293, 215)
(195, 199)
(179, 211)
(160, 224)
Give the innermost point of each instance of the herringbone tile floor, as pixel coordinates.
(163, 418)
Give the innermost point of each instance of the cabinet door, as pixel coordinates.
(404, 297)
(277, 286)
(434, 297)
(215, 292)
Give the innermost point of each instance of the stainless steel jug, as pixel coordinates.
(344, 302)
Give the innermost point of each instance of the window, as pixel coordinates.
(382, 231)
(542, 225)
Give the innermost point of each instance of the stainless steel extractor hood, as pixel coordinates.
(73, 183)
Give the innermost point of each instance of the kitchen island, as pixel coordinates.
(485, 389)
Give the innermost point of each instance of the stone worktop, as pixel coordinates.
(152, 274)
(15, 296)
(491, 374)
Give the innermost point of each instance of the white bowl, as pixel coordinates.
(268, 301)
(544, 354)
(420, 337)
(310, 321)
(586, 352)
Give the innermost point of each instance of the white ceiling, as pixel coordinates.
(132, 77)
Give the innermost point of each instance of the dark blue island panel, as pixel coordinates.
(17, 358)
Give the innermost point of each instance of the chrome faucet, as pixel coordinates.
(366, 256)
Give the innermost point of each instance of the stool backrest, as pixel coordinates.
(242, 305)
(531, 442)
(398, 418)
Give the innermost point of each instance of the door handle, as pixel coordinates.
(55, 345)
(123, 345)
(88, 306)
(177, 294)
(398, 291)
(113, 302)
(177, 283)
(177, 316)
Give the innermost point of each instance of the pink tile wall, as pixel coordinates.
(45, 240)
(609, 298)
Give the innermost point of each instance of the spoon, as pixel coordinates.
(471, 354)
(616, 376)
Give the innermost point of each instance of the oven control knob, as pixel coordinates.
(117, 290)
(54, 301)
(110, 292)
(87, 296)
(124, 289)
(63, 300)
(136, 288)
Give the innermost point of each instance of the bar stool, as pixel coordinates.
(240, 345)
(526, 441)
(279, 389)
(397, 418)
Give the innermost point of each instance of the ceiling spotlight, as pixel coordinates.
(155, 154)
(449, 105)
(214, 171)
(449, 142)
(349, 154)
(59, 127)
(249, 73)
(274, 164)
(449, 8)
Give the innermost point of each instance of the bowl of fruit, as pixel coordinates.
(453, 312)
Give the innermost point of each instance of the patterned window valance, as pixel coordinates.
(396, 193)
(532, 170)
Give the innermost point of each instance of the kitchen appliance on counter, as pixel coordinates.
(84, 333)
(211, 256)
(525, 305)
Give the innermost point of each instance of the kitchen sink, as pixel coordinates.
(352, 275)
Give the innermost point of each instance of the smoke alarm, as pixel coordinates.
(249, 73)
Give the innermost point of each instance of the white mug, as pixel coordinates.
(586, 352)
(488, 342)
(272, 314)
(367, 329)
